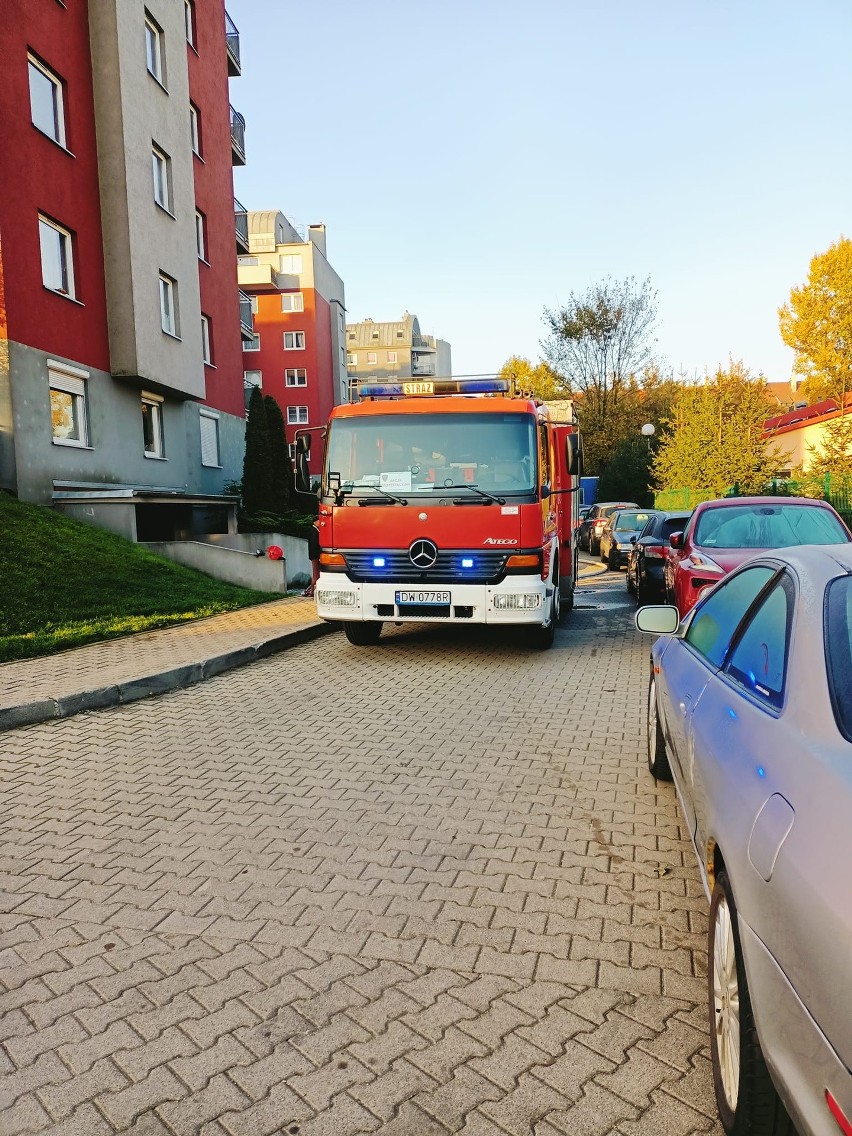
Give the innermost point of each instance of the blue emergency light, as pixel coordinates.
(415, 388)
(467, 562)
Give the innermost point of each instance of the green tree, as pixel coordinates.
(539, 379)
(627, 476)
(280, 466)
(714, 436)
(258, 495)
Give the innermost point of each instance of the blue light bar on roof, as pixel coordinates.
(425, 388)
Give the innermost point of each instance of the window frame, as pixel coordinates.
(154, 403)
(294, 257)
(295, 372)
(58, 86)
(189, 23)
(201, 236)
(66, 257)
(195, 130)
(294, 416)
(351, 359)
(171, 288)
(72, 381)
(155, 56)
(298, 299)
(393, 356)
(372, 358)
(719, 662)
(298, 341)
(207, 340)
(253, 344)
(159, 155)
(781, 581)
(207, 415)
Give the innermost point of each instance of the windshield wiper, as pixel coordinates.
(384, 492)
(475, 489)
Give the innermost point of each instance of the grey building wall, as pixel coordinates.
(8, 478)
(133, 112)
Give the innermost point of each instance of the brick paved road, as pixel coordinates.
(414, 889)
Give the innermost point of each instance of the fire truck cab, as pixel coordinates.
(446, 501)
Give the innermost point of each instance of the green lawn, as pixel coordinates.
(63, 583)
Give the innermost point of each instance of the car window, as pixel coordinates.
(632, 521)
(776, 525)
(838, 632)
(758, 662)
(673, 525)
(716, 619)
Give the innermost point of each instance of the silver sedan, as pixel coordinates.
(750, 711)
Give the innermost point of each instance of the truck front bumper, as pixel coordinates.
(515, 600)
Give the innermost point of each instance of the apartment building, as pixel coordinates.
(378, 352)
(121, 342)
(297, 353)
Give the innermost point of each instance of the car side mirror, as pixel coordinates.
(657, 619)
(676, 540)
(633, 539)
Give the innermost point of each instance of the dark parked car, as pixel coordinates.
(722, 534)
(647, 557)
(750, 710)
(589, 532)
(620, 531)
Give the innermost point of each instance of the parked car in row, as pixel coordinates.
(647, 557)
(590, 530)
(722, 534)
(750, 711)
(620, 531)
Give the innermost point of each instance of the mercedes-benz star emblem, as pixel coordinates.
(423, 553)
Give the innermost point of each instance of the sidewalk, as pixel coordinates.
(153, 662)
(137, 666)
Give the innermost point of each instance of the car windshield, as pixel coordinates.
(777, 525)
(425, 453)
(629, 521)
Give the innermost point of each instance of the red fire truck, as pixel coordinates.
(451, 501)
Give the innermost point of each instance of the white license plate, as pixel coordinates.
(438, 599)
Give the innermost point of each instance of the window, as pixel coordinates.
(67, 404)
(838, 645)
(294, 341)
(195, 129)
(351, 336)
(296, 377)
(57, 260)
(351, 359)
(292, 302)
(375, 335)
(161, 165)
(154, 49)
(399, 334)
(206, 340)
(47, 108)
(253, 378)
(759, 660)
(717, 618)
(168, 305)
(291, 263)
(209, 423)
(372, 357)
(152, 425)
(297, 415)
(189, 21)
(391, 356)
(200, 235)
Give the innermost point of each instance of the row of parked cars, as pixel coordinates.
(750, 713)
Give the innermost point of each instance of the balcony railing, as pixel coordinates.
(238, 138)
(422, 368)
(232, 41)
(241, 226)
(246, 318)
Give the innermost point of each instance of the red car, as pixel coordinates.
(722, 534)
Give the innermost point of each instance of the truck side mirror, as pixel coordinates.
(573, 454)
(303, 475)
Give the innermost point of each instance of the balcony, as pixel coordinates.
(232, 41)
(424, 368)
(241, 226)
(238, 138)
(246, 319)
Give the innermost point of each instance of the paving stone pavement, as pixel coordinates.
(416, 889)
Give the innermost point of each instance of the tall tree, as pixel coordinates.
(817, 324)
(280, 466)
(540, 378)
(627, 476)
(714, 436)
(598, 340)
(257, 481)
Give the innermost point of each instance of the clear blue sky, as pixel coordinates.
(478, 160)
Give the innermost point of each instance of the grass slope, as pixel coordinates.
(63, 583)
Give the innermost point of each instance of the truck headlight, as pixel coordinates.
(333, 598)
(525, 600)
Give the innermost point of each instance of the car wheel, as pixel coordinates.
(594, 549)
(612, 561)
(643, 593)
(747, 1100)
(362, 634)
(631, 587)
(658, 759)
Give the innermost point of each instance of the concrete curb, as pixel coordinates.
(163, 682)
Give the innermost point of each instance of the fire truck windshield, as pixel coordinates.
(424, 453)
